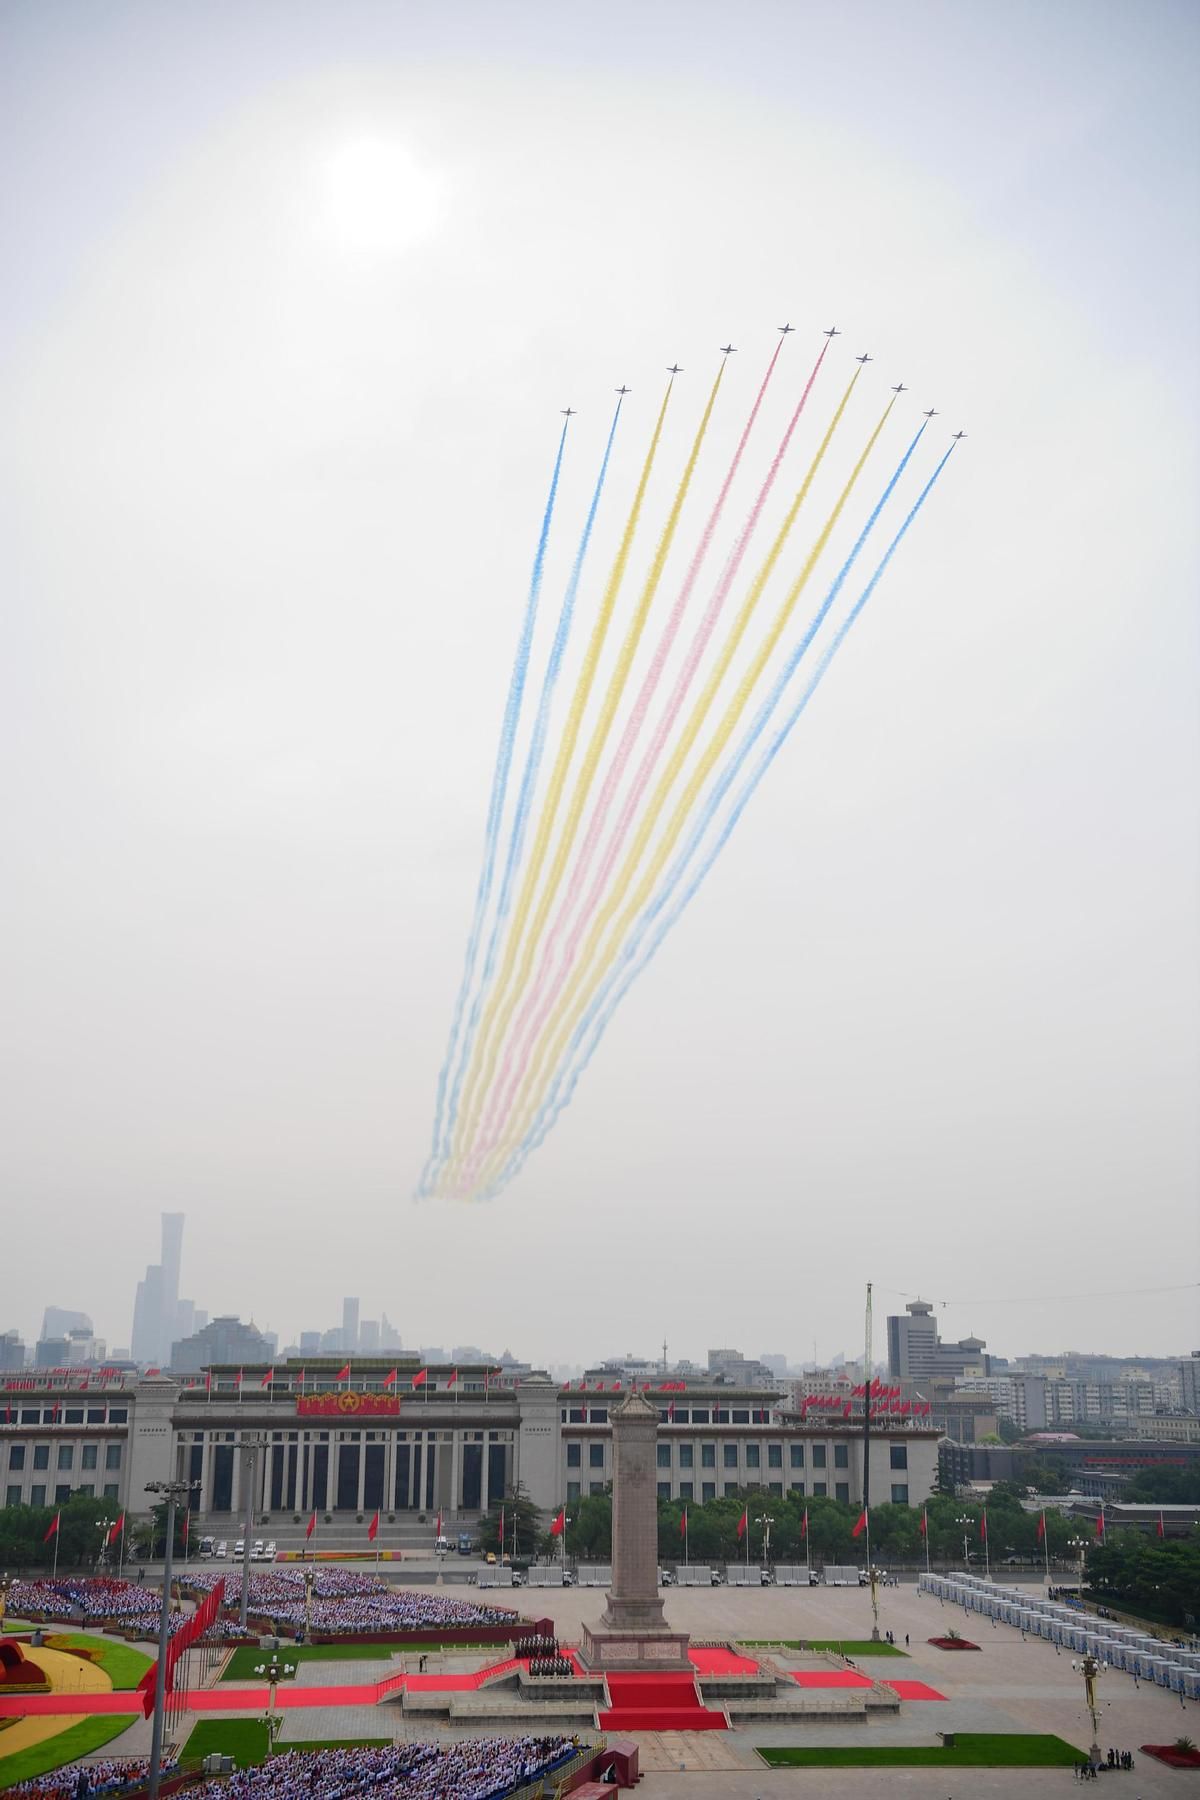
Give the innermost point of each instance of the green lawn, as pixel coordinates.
(844, 1646)
(971, 1750)
(243, 1739)
(123, 1665)
(52, 1753)
(246, 1657)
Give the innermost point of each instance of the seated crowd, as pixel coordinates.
(484, 1769)
(106, 1775)
(104, 1599)
(346, 1601)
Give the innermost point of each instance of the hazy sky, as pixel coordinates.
(291, 296)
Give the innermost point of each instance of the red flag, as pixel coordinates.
(559, 1523)
(671, 1412)
(804, 1525)
(923, 1527)
(744, 1523)
(1041, 1530)
(237, 1380)
(1100, 1526)
(1161, 1530)
(311, 1526)
(52, 1529)
(115, 1530)
(391, 1378)
(145, 1688)
(298, 1377)
(454, 1378)
(683, 1524)
(983, 1526)
(846, 1409)
(268, 1378)
(439, 1522)
(343, 1374)
(421, 1377)
(208, 1381)
(861, 1526)
(373, 1527)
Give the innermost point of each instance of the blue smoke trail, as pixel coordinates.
(621, 978)
(445, 1121)
(504, 753)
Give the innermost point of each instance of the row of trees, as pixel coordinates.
(1154, 1577)
(712, 1535)
(80, 1536)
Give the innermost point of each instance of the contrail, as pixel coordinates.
(504, 752)
(639, 953)
(533, 760)
(557, 1028)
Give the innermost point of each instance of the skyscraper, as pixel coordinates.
(156, 1306)
(349, 1324)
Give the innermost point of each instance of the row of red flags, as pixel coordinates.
(297, 1377)
(188, 1633)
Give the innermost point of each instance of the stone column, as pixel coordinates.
(633, 1632)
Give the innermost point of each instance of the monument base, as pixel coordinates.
(635, 1652)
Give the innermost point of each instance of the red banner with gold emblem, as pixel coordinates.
(347, 1405)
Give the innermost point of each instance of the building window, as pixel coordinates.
(729, 1456)
(708, 1490)
(899, 1493)
(572, 1490)
(686, 1454)
(595, 1487)
(776, 1487)
(708, 1456)
(819, 1489)
(577, 1415)
(796, 1457)
(841, 1456)
(41, 1456)
(741, 1415)
(87, 1488)
(73, 1415)
(112, 1456)
(819, 1456)
(13, 1495)
(731, 1487)
(753, 1456)
(118, 1415)
(574, 1456)
(899, 1456)
(31, 1418)
(37, 1495)
(595, 1456)
(686, 1490)
(111, 1490)
(663, 1455)
(699, 1415)
(774, 1456)
(841, 1490)
(795, 1487)
(16, 1457)
(599, 1415)
(62, 1493)
(95, 1415)
(664, 1490)
(66, 1456)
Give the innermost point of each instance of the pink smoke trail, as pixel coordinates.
(538, 1001)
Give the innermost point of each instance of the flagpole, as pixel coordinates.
(57, 1523)
(686, 1557)
(925, 1516)
(807, 1546)
(1046, 1545)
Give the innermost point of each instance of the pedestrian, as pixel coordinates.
(906, 1640)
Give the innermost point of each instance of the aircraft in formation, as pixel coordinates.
(728, 349)
(785, 329)
(832, 332)
(899, 388)
(674, 369)
(568, 412)
(622, 390)
(864, 358)
(959, 434)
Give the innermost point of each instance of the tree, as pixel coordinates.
(23, 1532)
(1155, 1576)
(589, 1533)
(521, 1517)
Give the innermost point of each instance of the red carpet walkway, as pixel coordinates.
(657, 1703)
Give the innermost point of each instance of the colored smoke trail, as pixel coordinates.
(504, 752)
(635, 958)
(587, 849)
(566, 749)
(556, 1029)
(516, 844)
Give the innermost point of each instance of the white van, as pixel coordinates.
(207, 1546)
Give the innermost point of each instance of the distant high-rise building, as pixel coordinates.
(368, 1336)
(916, 1352)
(225, 1340)
(349, 1324)
(58, 1321)
(12, 1350)
(1189, 1381)
(310, 1343)
(156, 1309)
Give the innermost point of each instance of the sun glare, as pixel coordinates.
(375, 198)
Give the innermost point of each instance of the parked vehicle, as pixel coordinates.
(207, 1546)
(239, 1549)
(271, 1551)
(222, 1548)
(465, 1543)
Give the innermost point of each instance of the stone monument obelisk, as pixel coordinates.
(633, 1632)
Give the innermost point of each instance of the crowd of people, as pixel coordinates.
(85, 1598)
(1116, 1759)
(484, 1769)
(346, 1601)
(535, 1643)
(551, 1665)
(107, 1775)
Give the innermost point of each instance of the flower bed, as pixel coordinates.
(1174, 1759)
(952, 1643)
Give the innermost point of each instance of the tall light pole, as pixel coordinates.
(250, 1445)
(274, 1671)
(965, 1520)
(310, 1579)
(174, 1491)
(766, 1521)
(1089, 1668)
(104, 1526)
(1079, 1546)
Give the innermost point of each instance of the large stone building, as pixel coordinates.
(916, 1352)
(453, 1442)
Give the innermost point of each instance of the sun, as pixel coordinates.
(374, 197)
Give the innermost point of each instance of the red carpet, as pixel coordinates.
(657, 1703)
(715, 1659)
(830, 1678)
(915, 1690)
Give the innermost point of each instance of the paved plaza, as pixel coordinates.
(1011, 1685)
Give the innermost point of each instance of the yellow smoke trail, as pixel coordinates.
(554, 791)
(557, 1030)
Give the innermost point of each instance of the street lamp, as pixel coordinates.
(1079, 1546)
(5, 1584)
(251, 1443)
(965, 1520)
(310, 1581)
(275, 1671)
(766, 1520)
(173, 1492)
(1090, 1669)
(104, 1526)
